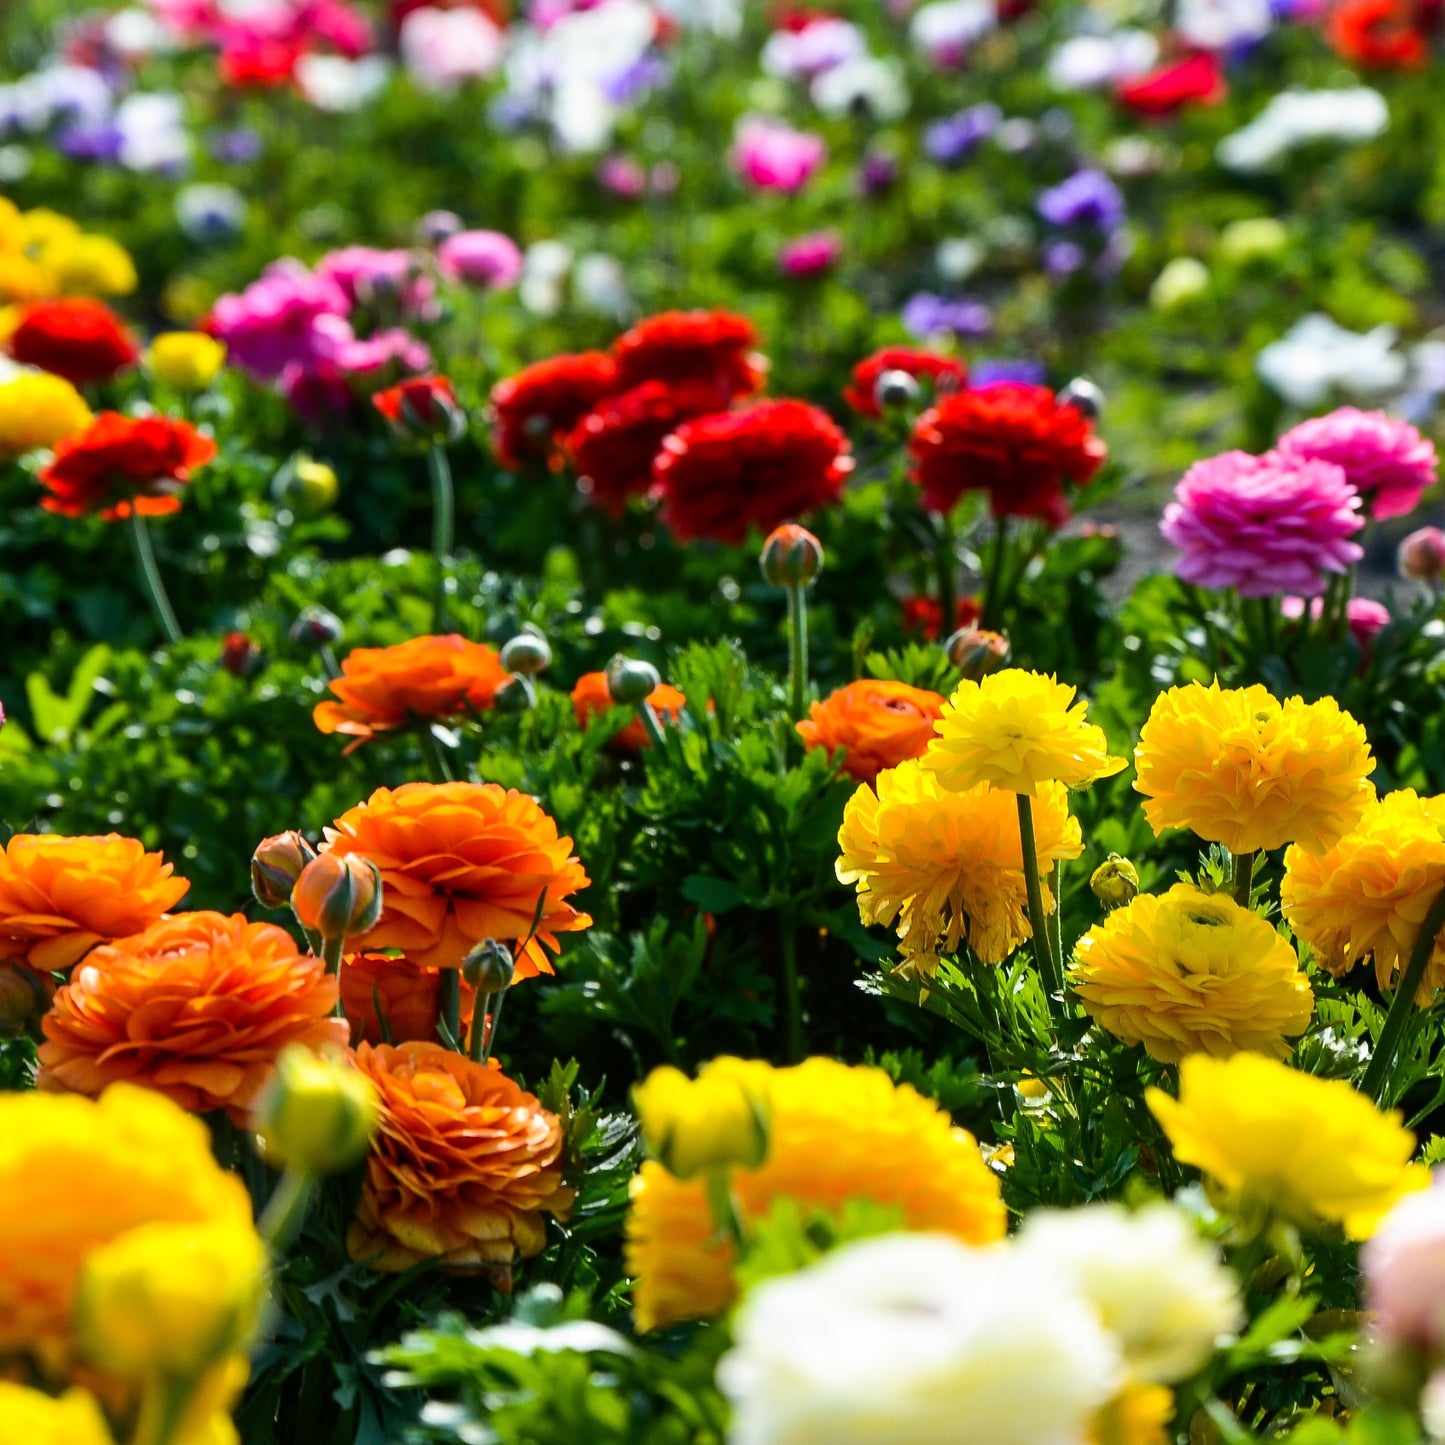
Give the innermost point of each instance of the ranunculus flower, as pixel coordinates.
(812, 255)
(486, 259)
(422, 408)
(1404, 1266)
(1380, 34)
(532, 410)
(74, 337)
(877, 723)
(772, 156)
(592, 696)
(272, 323)
(37, 409)
(944, 373)
(1385, 459)
(409, 998)
(1197, 80)
(718, 347)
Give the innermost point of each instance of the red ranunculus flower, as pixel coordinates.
(1197, 80)
(122, 462)
(678, 346)
(923, 615)
(761, 466)
(1379, 34)
(945, 372)
(612, 448)
(532, 410)
(1015, 441)
(258, 64)
(421, 408)
(77, 338)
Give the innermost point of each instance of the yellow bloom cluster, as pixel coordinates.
(1018, 731)
(1310, 1149)
(1138, 1415)
(36, 410)
(1192, 972)
(188, 360)
(948, 865)
(1240, 768)
(45, 254)
(1367, 897)
(37, 1419)
(836, 1133)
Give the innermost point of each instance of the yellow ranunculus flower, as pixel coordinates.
(90, 266)
(43, 227)
(12, 227)
(697, 1126)
(1191, 972)
(170, 1299)
(1313, 1150)
(28, 1417)
(1017, 730)
(1239, 767)
(22, 279)
(1138, 1415)
(1115, 881)
(190, 360)
(36, 410)
(316, 1114)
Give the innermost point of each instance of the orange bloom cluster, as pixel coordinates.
(382, 689)
(463, 1165)
(591, 697)
(197, 1008)
(409, 997)
(59, 897)
(461, 862)
(879, 724)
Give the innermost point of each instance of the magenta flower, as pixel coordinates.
(771, 155)
(273, 323)
(390, 279)
(1263, 525)
(812, 255)
(487, 259)
(1364, 615)
(1386, 460)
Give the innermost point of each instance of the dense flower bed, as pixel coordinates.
(721, 723)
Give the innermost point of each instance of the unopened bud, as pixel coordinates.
(423, 409)
(515, 695)
(338, 895)
(316, 1113)
(276, 865)
(1422, 556)
(976, 652)
(895, 389)
(317, 627)
(1115, 881)
(305, 486)
(718, 1121)
(240, 655)
(791, 557)
(1084, 397)
(436, 226)
(630, 680)
(527, 653)
(488, 968)
(24, 995)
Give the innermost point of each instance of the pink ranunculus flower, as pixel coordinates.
(1386, 460)
(372, 276)
(273, 322)
(377, 359)
(319, 393)
(443, 49)
(1264, 526)
(1364, 615)
(486, 259)
(337, 26)
(1404, 1267)
(812, 255)
(773, 156)
(1422, 556)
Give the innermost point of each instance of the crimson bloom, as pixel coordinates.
(532, 410)
(1017, 442)
(761, 466)
(679, 346)
(422, 408)
(1197, 80)
(75, 337)
(119, 463)
(946, 373)
(1379, 34)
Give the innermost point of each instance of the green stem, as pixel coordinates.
(484, 1037)
(947, 576)
(792, 990)
(1242, 877)
(651, 724)
(331, 953)
(450, 1021)
(286, 1211)
(162, 1409)
(1056, 919)
(443, 522)
(797, 652)
(993, 598)
(1404, 1001)
(431, 753)
(1050, 971)
(150, 576)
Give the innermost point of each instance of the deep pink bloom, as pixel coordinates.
(376, 360)
(273, 322)
(812, 255)
(1364, 615)
(773, 156)
(481, 258)
(1265, 526)
(1386, 460)
(319, 393)
(391, 280)
(1404, 1266)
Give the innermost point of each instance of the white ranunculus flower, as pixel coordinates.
(1219, 24)
(543, 287)
(917, 1339)
(946, 28)
(1294, 118)
(1157, 1286)
(1090, 62)
(866, 83)
(334, 83)
(1317, 357)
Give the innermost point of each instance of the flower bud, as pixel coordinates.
(317, 627)
(305, 486)
(630, 680)
(240, 655)
(515, 695)
(791, 557)
(489, 967)
(1084, 396)
(528, 653)
(1115, 881)
(436, 226)
(276, 865)
(316, 1114)
(1184, 279)
(895, 389)
(976, 652)
(1422, 556)
(169, 1299)
(338, 896)
(187, 360)
(423, 409)
(24, 995)
(717, 1121)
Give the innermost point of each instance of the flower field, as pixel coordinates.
(723, 723)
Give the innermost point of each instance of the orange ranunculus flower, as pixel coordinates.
(591, 697)
(385, 688)
(410, 998)
(879, 723)
(197, 1008)
(59, 897)
(462, 1166)
(461, 862)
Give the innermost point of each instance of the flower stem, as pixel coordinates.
(483, 1034)
(331, 953)
(947, 576)
(150, 576)
(284, 1214)
(993, 599)
(797, 652)
(1056, 918)
(651, 725)
(1404, 1001)
(162, 1409)
(443, 522)
(792, 989)
(436, 764)
(1050, 970)
(1242, 877)
(450, 1021)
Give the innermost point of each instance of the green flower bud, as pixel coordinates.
(630, 680)
(488, 968)
(316, 1113)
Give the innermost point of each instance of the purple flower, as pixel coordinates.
(812, 255)
(773, 156)
(622, 176)
(1088, 199)
(97, 143)
(635, 81)
(926, 315)
(952, 140)
(1264, 526)
(486, 259)
(988, 371)
(1386, 460)
(1063, 258)
(273, 322)
(236, 147)
(877, 173)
